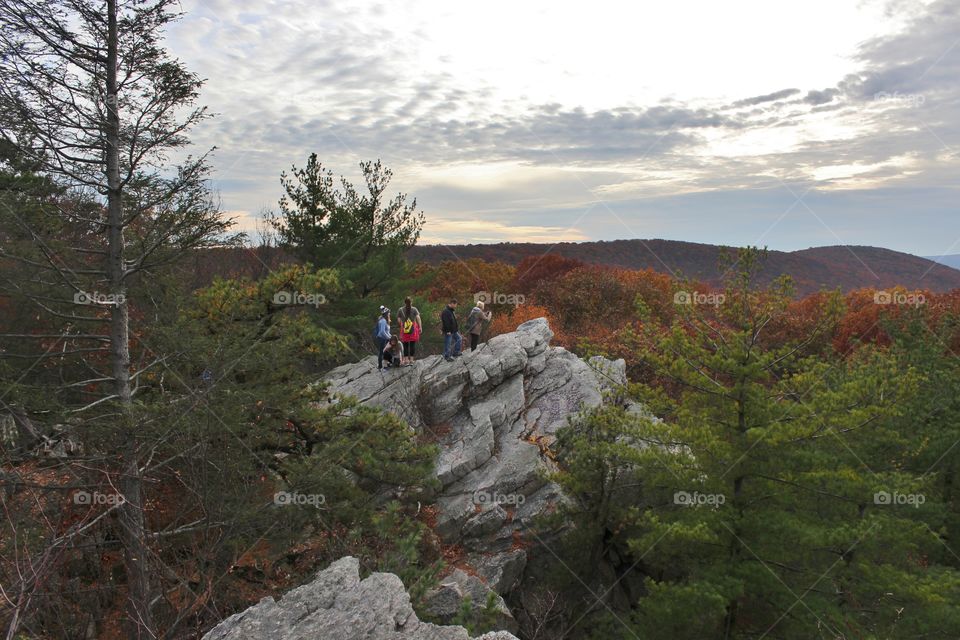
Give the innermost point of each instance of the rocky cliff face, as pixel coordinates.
(495, 414)
(338, 605)
(496, 411)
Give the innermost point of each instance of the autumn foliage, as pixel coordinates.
(594, 308)
(535, 271)
(510, 320)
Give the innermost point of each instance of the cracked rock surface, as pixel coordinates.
(338, 605)
(496, 412)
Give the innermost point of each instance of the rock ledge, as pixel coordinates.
(338, 605)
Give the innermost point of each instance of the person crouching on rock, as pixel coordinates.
(408, 317)
(392, 352)
(475, 323)
(382, 334)
(451, 332)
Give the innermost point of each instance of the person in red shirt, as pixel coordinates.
(408, 317)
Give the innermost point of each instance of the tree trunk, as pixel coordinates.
(139, 620)
(730, 620)
(733, 607)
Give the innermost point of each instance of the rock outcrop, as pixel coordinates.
(444, 602)
(495, 413)
(338, 605)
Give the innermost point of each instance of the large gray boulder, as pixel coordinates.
(444, 602)
(338, 605)
(495, 413)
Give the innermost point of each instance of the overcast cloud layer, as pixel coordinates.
(834, 124)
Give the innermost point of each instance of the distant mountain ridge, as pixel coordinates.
(950, 261)
(846, 267)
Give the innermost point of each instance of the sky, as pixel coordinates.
(787, 125)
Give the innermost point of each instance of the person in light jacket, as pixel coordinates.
(383, 334)
(475, 323)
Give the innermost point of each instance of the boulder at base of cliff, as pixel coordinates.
(445, 602)
(338, 605)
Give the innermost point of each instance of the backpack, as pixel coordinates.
(408, 326)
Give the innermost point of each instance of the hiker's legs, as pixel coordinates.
(447, 340)
(381, 343)
(412, 350)
(474, 340)
(458, 343)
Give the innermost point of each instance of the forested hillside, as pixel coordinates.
(846, 267)
(650, 439)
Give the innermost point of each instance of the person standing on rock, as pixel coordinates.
(383, 334)
(408, 317)
(451, 332)
(475, 323)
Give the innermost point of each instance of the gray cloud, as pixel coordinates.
(815, 97)
(770, 97)
(343, 87)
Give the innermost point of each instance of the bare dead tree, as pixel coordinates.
(91, 100)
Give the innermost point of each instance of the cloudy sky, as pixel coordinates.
(789, 125)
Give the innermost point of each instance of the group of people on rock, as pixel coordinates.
(400, 349)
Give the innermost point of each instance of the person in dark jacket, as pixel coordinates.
(451, 332)
(383, 334)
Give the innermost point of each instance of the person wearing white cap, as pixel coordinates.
(383, 334)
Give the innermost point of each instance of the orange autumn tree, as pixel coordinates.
(596, 301)
(535, 272)
(869, 310)
(513, 318)
(462, 279)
